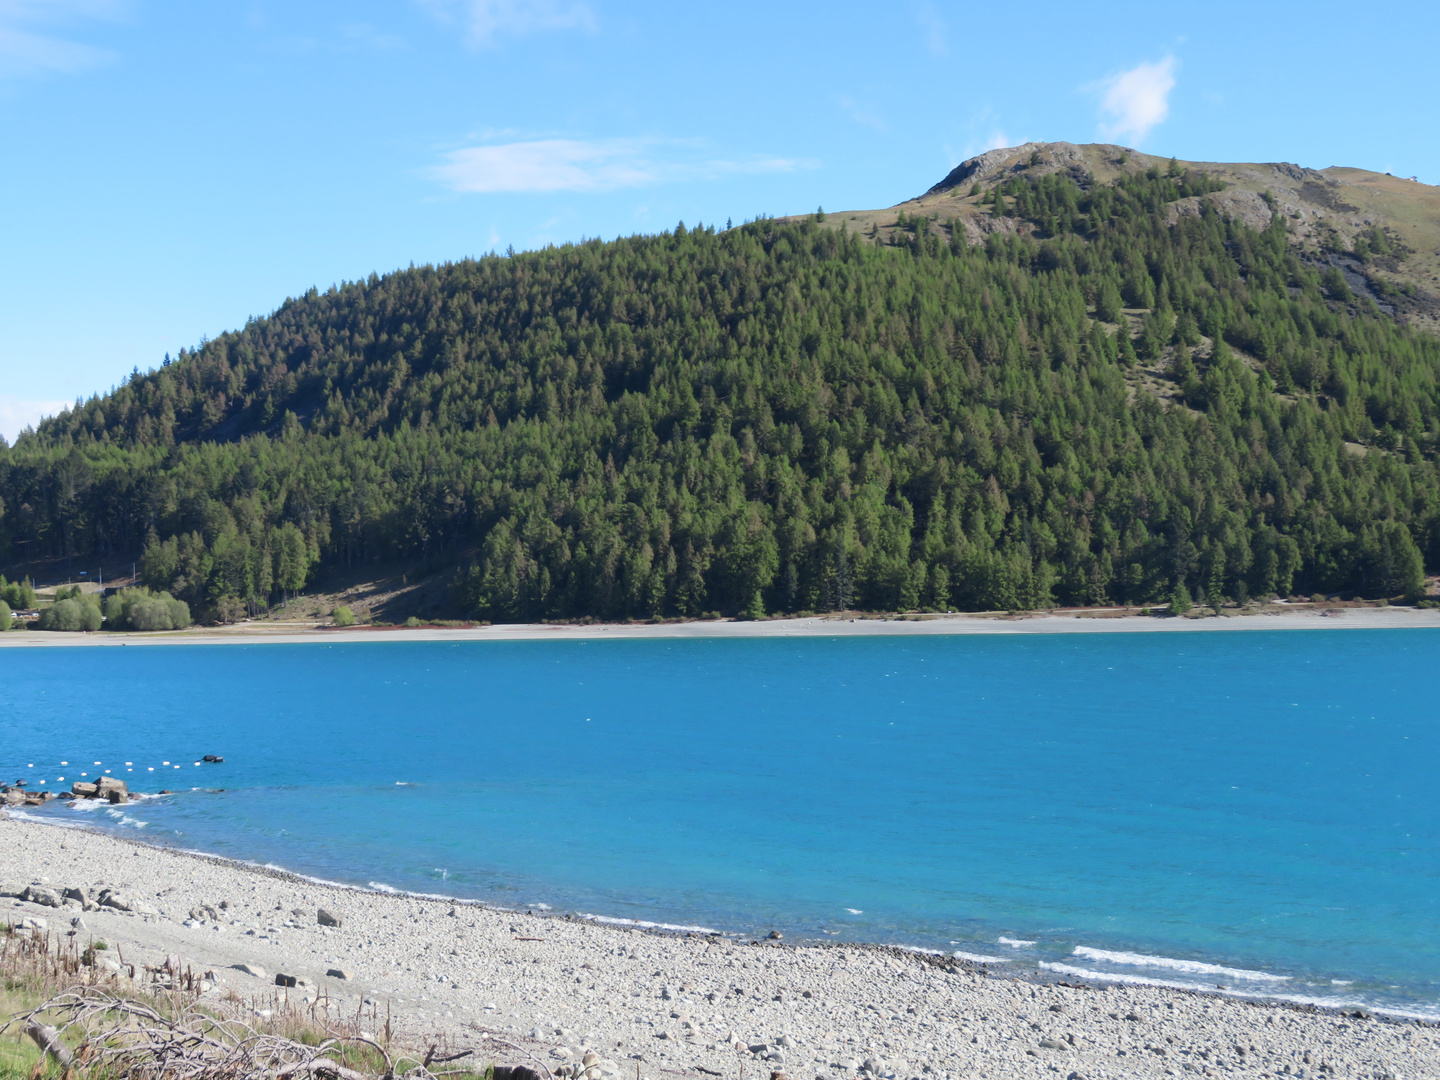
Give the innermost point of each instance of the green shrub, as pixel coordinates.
(1180, 601)
(140, 609)
(342, 616)
(7, 620)
(72, 613)
(412, 621)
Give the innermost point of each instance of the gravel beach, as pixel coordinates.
(652, 1003)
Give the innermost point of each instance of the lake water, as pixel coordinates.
(1256, 810)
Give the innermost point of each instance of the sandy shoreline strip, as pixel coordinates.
(1088, 622)
(675, 1003)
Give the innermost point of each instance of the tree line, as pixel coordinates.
(782, 417)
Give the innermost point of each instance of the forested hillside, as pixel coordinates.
(780, 417)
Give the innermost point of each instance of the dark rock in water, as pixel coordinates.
(328, 918)
(115, 798)
(213, 759)
(775, 935)
(285, 980)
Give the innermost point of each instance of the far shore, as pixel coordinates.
(1076, 621)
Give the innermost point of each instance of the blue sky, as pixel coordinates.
(171, 169)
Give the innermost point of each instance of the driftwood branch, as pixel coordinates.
(48, 1039)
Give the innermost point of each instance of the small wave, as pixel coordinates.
(608, 920)
(854, 911)
(1189, 967)
(540, 907)
(380, 886)
(979, 958)
(1014, 943)
(1117, 976)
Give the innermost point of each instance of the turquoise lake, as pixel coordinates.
(1256, 810)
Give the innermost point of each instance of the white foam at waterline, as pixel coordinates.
(1014, 943)
(1189, 967)
(979, 958)
(644, 925)
(380, 886)
(540, 907)
(1119, 977)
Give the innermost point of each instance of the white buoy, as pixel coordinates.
(29, 766)
(64, 763)
(99, 763)
(197, 763)
(42, 781)
(84, 774)
(60, 778)
(152, 768)
(164, 763)
(177, 766)
(129, 763)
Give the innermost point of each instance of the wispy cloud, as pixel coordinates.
(16, 414)
(863, 113)
(549, 165)
(937, 38)
(486, 20)
(1137, 100)
(32, 40)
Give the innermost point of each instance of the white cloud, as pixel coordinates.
(30, 46)
(864, 114)
(1137, 100)
(548, 165)
(16, 414)
(936, 32)
(485, 20)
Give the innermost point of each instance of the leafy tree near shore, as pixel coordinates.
(7, 618)
(73, 611)
(18, 595)
(141, 609)
(782, 417)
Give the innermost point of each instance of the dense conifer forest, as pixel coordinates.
(782, 417)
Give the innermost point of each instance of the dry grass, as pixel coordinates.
(168, 1023)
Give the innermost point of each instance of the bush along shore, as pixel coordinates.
(574, 997)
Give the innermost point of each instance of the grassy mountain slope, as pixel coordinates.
(1069, 386)
(1326, 211)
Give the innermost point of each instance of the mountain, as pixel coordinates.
(1326, 212)
(1064, 374)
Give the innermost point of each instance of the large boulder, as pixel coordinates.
(120, 901)
(41, 894)
(106, 784)
(83, 790)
